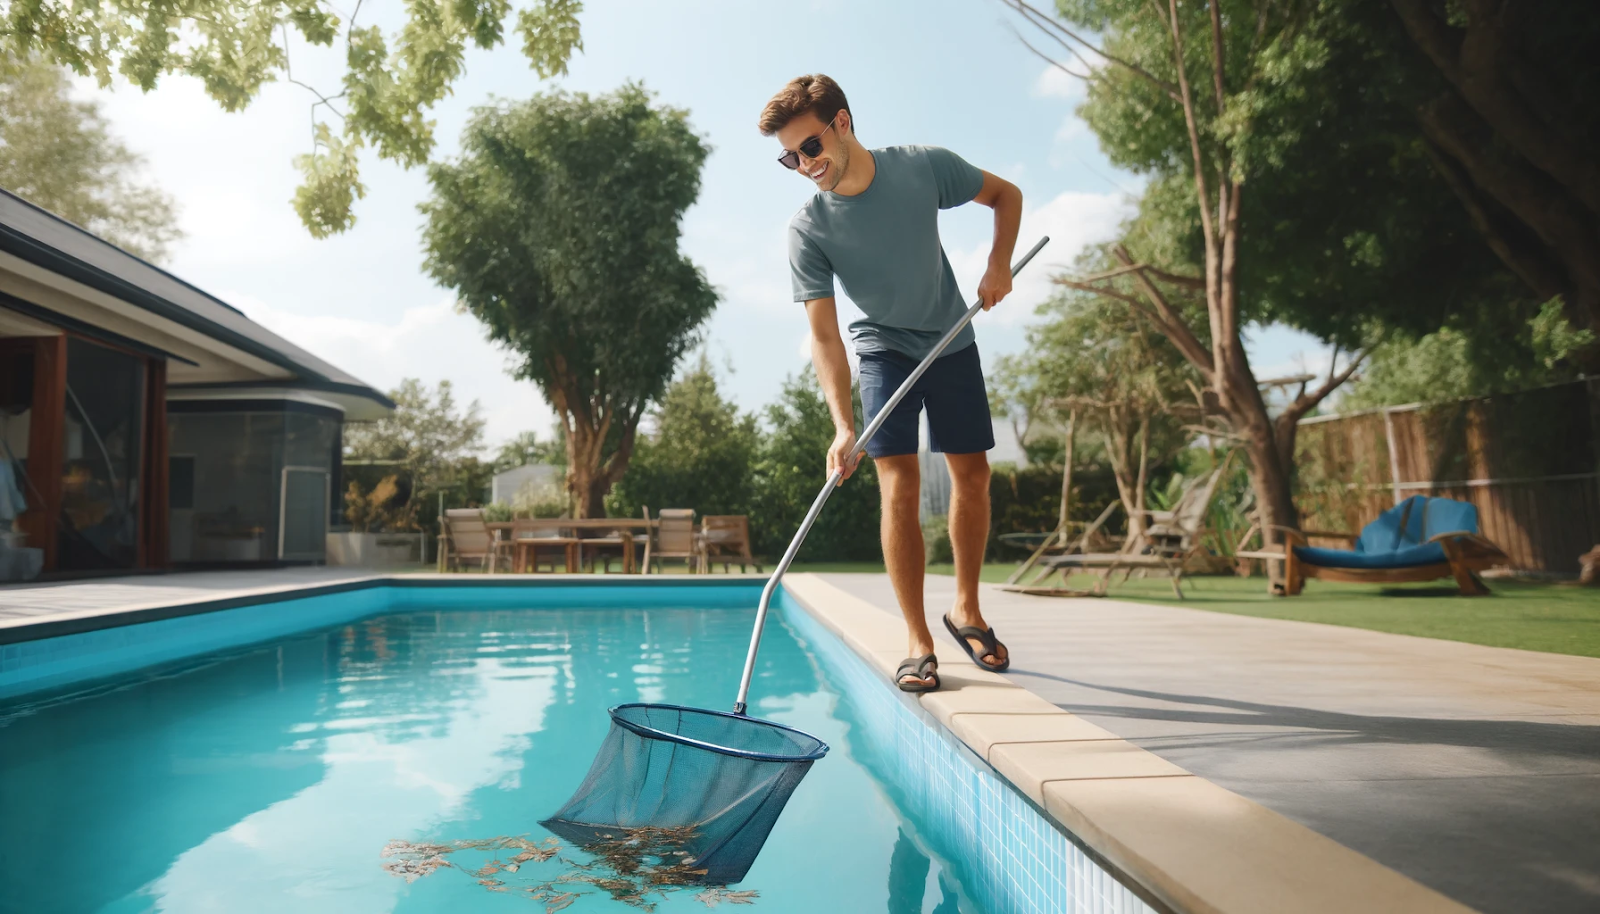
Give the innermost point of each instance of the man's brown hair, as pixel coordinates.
(815, 94)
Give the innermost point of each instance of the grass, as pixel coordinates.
(1558, 618)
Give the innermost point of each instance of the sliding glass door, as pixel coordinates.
(101, 468)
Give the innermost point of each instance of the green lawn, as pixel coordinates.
(1561, 618)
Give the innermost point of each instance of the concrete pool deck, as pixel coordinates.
(1222, 763)
(1473, 770)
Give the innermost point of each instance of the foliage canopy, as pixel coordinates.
(234, 48)
(58, 153)
(702, 453)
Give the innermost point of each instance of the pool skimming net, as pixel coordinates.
(720, 779)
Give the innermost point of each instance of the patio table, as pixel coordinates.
(623, 528)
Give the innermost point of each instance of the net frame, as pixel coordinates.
(700, 807)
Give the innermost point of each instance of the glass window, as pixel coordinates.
(228, 476)
(233, 508)
(99, 524)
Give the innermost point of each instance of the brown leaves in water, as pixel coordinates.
(633, 866)
(713, 896)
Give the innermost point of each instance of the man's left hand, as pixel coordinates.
(995, 285)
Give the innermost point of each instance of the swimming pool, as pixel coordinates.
(273, 776)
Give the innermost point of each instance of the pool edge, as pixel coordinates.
(1190, 844)
(14, 631)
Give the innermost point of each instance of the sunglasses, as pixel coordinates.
(810, 147)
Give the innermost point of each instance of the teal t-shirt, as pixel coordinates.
(883, 244)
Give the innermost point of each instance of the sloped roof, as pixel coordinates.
(50, 242)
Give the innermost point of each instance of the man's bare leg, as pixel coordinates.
(969, 536)
(900, 484)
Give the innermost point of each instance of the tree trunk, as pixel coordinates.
(1066, 474)
(590, 471)
(1143, 479)
(1269, 477)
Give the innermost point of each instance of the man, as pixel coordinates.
(873, 223)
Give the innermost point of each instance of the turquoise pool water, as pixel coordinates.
(272, 778)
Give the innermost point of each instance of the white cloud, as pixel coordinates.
(1055, 83)
(1073, 221)
(432, 343)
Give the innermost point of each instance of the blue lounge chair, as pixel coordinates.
(1420, 539)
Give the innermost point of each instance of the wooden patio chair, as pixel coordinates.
(464, 537)
(673, 538)
(533, 540)
(1170, 540)
(725, 538)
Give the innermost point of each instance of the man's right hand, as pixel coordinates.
(844, 441)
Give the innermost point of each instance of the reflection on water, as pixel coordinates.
(908, 880)
(271, 780)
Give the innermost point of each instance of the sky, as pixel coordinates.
(939, 72)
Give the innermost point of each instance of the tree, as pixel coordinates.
(1449, 364)
(59, 154)
(702, 454)
(1205, 98)
(529, 448)
(1510, 121)
(234, 48)
(1123, 383)
(558, 228)
(434, 439)
(791, 471)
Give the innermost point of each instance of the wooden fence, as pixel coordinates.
(1527, 460)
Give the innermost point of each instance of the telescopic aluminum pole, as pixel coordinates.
(833, 481)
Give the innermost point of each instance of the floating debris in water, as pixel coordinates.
(636, 866)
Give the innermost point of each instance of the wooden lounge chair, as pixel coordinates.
(531, 541)
(726, 538)
(1421, 539)
(673, 538)
(464, 537)
(1060, 542)
(1170, 539)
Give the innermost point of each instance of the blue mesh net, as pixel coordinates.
(704, 786)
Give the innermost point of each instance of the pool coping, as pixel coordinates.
(1184, 843)
(34, 628)
(1192, 845)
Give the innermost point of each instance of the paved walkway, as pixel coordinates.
(1474, 770)
(32, 602)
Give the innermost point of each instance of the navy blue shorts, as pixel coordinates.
(951, 390)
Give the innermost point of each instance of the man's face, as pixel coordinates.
(830, 165)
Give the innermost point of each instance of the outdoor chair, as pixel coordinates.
(673, 538)
(1421, 539)
(1169, 540)
(605, 547)
(532, 540)
(464, 537)
(726, 538)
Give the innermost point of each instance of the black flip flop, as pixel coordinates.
(918, 667)
(991, 645)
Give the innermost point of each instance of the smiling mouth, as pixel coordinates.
(817, 175)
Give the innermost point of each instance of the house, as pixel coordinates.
(149, 425)
(531, 480)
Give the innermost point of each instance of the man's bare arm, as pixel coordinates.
(833, 373)
(1006, 200)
